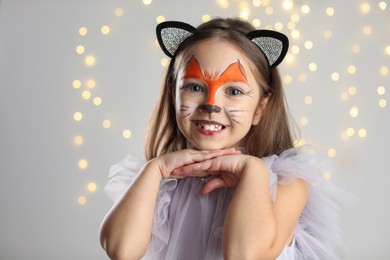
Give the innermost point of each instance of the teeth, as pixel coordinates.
(214, 128)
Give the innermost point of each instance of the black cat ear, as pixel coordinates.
(273, 44)
(171, 34)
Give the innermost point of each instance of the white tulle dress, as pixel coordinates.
(188, 225)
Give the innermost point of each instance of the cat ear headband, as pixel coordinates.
(273, 44)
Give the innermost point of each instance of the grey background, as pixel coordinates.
(40, 178)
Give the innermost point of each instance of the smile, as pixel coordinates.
(208, 128)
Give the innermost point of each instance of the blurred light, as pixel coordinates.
(83, 164)
(295, 18)
(388, 50)
(147, 2)
(356, 48)
(256, 23)
(382, 103)
(382, 5)
(76, 84)
(295, 49)
(362, 132)
(86, 94)
(164, 62)
(335, 76)
(304, 121)
(206, 18)
(126, 133)
(327, 176)
(344, 96)
(381, 90)
(352, 90)
(83, 31)
(366, 29)
(91, 83)
(256, 3)
(269, 10)
(90, 60)
(299, 142)
(308, 100)
(105, 29)
(312, 66)
(223, 3)
(305, 9)
(278, 26)
(92, 186)
(291, 25)
(78, 140)
(350, 132)
(365, 8)
(354, 111)
(295, 34)
(289, 58)
(384, 70)
(330, 11)
(308, 45)
(106, 123)
(78, 116)
(119, 12)
(160, 19)
(332, 152)
(302, 77)
(287, 79)
(244, 10)
(80, 49)
(97, 101)
(82, 200)
(351, 69)
(344, 136)
(327, 34)
(288, 4)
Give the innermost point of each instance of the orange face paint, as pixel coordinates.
(233, 73)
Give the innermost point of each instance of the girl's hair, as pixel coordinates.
(271, 135)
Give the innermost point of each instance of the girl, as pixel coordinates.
(222, 179)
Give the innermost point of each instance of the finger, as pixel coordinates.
(213, 184)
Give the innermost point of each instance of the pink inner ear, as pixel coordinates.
(234, 73)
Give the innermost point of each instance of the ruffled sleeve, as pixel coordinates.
(317, 235)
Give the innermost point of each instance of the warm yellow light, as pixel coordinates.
(90, 60)
(365, 8)
(91, 83)
(387, 50)
(382, 103)
(244, 11)
(78, 116)
(76, 84)
(82, 200)
(352, 90)
(83, 164)
(206, 18)
(256, 23)
(269, 10)
(335, 76)
(105, 29)
(80, 49)
(384, 70)
(299, 142)
(288, 4)
(366, 29)
(304, 121)
(291, 25)
(295, 18)
(332, 152)
(126, 133)
(312, 66)
(382, 5)
(147, 2)
(295, 34)
(344, 96)
(164, 62)
(305, 9)
(330, 11)
(327, 34)
(381, 90)
(350, 132)
(302, 77)
(288, 79)
(256, 3)
(91, 186)
(344, 136)
(351, 69)
(83, 31)
(308, 100)
(78, 140)
(354, 111)
(356, 48)
(160, 19)
(106, 123)
(327, 176)
(289, 58)
(223, 3)
(97, 101)
(295, 49)
(308, 45)
(119, 12)
(278, 26)
(86, 94)
(362, 132)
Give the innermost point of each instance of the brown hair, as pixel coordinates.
(271, 135)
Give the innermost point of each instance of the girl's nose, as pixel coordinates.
(210, 108)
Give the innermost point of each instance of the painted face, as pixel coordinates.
(217, 98)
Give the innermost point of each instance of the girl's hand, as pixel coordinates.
(167, 163)
(227, 169)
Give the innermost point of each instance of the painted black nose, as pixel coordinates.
(210, 108)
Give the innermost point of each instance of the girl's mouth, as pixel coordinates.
(209, 127)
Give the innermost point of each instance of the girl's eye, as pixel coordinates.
(234, 91)
(194, 88)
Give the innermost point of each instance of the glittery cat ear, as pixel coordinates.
(273, 44)
(171, 34)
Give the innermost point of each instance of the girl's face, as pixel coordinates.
(217, 97)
